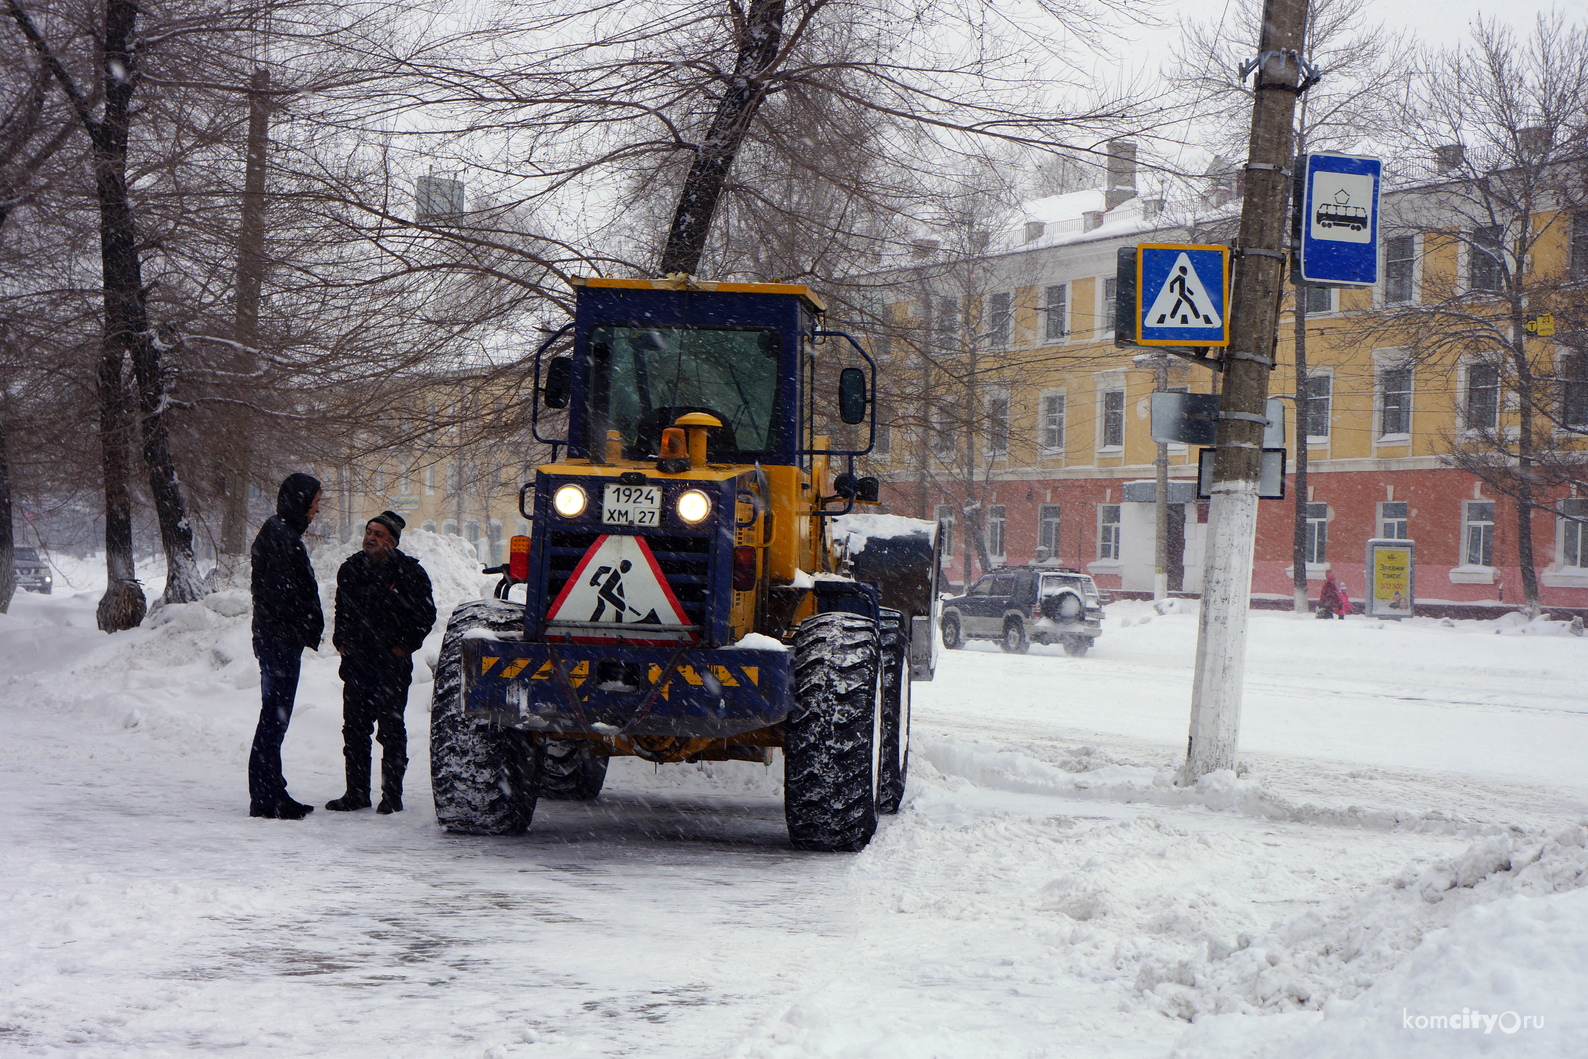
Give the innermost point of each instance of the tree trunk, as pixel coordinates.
(122, 606)
(8, 569)
(759, 39)
(126, 311)
(1524, 463)
(245, 332)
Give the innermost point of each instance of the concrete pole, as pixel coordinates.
(1258, 285)
(1160, 550)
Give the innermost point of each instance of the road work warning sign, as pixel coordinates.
(617, 583)
(1184, 295)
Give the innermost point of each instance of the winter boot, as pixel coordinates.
(390, 803)
(393, 763)
(349, 802)
(287, 809)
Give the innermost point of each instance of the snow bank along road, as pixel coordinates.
(1409, 844)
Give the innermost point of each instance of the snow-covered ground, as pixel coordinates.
(1408, 846)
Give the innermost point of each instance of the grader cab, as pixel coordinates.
(689, 593)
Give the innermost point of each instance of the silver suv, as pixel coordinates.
(1022, 605)
(33, 573)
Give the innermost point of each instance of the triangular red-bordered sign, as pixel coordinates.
(617, 583)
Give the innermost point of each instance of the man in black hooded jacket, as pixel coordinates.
(384, 611)
(287, 618)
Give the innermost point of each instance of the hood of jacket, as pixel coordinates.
(292, 502)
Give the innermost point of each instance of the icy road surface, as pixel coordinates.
(1409, 842)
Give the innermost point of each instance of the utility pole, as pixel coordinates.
(1258, 285)
(1160, 549)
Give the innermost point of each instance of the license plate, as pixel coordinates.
(631, 505)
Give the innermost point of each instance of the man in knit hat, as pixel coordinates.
(384, 611)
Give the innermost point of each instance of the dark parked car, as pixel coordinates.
(33, 573)
(1022, 605)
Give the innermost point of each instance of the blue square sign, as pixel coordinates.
(1339, 221)
(1182, 295)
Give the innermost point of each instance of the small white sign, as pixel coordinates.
(1342, 207)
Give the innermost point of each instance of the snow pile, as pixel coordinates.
(855, 530)
(1324, 956)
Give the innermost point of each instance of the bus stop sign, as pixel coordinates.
(1338, 221)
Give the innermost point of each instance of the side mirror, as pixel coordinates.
(559, 383)
(867, 489)
(852, 395)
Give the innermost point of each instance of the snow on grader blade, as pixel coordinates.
(703, 581)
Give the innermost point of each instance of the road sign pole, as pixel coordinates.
(1258, 279)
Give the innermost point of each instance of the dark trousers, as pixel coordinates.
(278, 686)
(375, 694)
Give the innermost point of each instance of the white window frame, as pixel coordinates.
(995, 397)
(1043, 521)
(1562, 356)
(996, 525)
(1316, 548)
(1331, 295)
(1464, 393)
(1042, 422)
(1469, 244)
(430, 479)
(944, 513)
(1304, 412)
(1560, 573)
(1384, 362)
(1000, 322)
(1415, 291)
(942, 443)
(1468, 524)
(1384, 519)
(1110, 382)
(1108, 541)
(1106, 319)
(1057, 325)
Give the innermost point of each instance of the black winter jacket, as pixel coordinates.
(286, 596)
(381, 605)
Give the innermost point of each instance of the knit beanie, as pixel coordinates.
(393, 522)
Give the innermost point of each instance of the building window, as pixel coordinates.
(1483, 259)
(1395, 402)
(941, 436)
(1051, 413)
(998, 319)
(883, 447)
(948, 322)
(1319, 299)
(944, 514)
(471, 533)
(1483, 397)
(1317, 394)
(1579, 244)
(428, 527)
(1572, 514)
(494, 529)
(1110, 305)
(1478, 526)
(1057, 307)
(998, 424)
(430, 479)
(1399, 261)
(380, 481)
(995, 531)
(1108, 531)
(1112, 417)
(1048, 528)
(1392, 521)
(1573, 381)
(449, 528)
(1317, 546)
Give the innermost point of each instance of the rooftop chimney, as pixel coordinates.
(1091, 219)
(1534, 142)
(1121, 173)
(924, 247)
(1449, 156)
(1034, 230)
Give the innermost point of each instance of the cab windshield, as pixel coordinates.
(641, 379)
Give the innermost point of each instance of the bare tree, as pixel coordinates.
(1507, 119)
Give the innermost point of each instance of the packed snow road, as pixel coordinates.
(1408, 843)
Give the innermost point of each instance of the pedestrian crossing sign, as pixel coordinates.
(1182, 295)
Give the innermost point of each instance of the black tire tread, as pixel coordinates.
(895, 722)
(483, 778)
(571, 770)
(827, 782)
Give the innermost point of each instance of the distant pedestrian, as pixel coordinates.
(287, 618)
(1332, 599)
(1345, 600)
(384, 611)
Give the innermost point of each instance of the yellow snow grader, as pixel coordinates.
(702, 581)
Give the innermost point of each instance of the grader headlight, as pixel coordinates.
(693, 506)
(569, 501)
